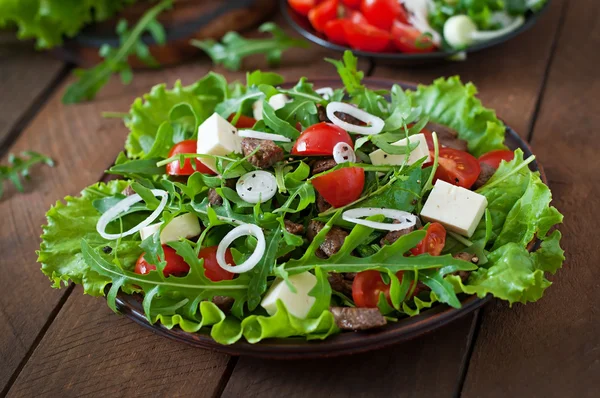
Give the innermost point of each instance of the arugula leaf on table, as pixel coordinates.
(234, 48)
(90, 81)
(19, 167)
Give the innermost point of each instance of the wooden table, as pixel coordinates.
(545, 84)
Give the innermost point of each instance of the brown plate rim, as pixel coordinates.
(344, 343)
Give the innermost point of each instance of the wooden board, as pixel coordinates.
(25, 78)
(552, 348)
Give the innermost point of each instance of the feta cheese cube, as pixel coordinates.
(456, 208)
(297, 304)
(257, 109)
(379, 157)
(183, 226)
(216, 136)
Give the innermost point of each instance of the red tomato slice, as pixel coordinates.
(356, 17)
(175, 264)
(368, 285)
(382, 13)
(334, 30)
(434, 241)
(457, 167)
(342, 186)
(244, 122)
(302, 6)
(495, 157)
(409, 40)
(319, 140)
(366, 37)
(212, 269)
(352, 3)
(174, 168)
(323, 13)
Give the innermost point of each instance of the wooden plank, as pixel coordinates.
(25, 75)
(405, 370)
(552, 348)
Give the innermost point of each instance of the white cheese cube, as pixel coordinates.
(456, 208)
(257, 109)
(216, 136)
(183, 226)
(278, 101)
(379, 157)
(297, 304)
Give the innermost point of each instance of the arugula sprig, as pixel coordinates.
(90, 81)
(234, 48)
(18, 168)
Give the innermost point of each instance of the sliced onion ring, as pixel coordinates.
(260, 135)
(256, 186)
(325, 92)
(406, 219)
(484, 35)
(237, 232)
(342, 152)
(124, 205)
(374, 123)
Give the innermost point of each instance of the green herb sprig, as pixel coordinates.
(19, 168)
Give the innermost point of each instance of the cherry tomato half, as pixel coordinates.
(323, 13)
(366, 37)
(368, 285)
(382, 13)
(457, 167)
(212, 269)
(244, 122)
(494, 158)
(174, 168)
(176, 265)
(302, 6)
(352, 3)
(434, 241)
(319, 140)
(409, 40)
(334, 30)
(342, 186)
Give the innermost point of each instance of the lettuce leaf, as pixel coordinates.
(451, 103)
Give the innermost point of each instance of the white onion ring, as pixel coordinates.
(256, 186)
(484, 35)
(374, 123)
(260, 135)
(342, 152)
(406, 219)
(124, 205)
(237, 232)
(325, 92)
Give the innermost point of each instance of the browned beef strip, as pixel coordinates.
(339, 283)
(214, 198)
(322, 113)
(294, 228)
(486, 173)
(224, 303)
(322, 204)
(267, 155)
(321, 165)
(348, 318)
(447, 137)
(349, 275)
(464, 275)
(333, 240)
(349, 119)
(393, 236)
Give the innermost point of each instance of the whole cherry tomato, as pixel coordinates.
(319, 140)
(341, 187)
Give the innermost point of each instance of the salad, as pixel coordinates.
(414, 26)
(255, 211)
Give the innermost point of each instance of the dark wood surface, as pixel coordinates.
(61, 343)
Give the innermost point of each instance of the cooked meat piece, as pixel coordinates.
(447, 137)
(322, 204)
(214, 198)
(464, 275)
(322, 113)
(322, 165)
(267, 155)
(348, 318)
(393, 236)
(340, 284)
(333, 240)
(294, 228)
(128, 191)
(349, 275)
(349, 119)
(223, 302)
(486, 173)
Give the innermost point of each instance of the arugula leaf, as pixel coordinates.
(258, 77)
(90, 81)
(273, 122)
(234, 48)
(19, 168)
(348, 71)
(138, 168)
(258, 275)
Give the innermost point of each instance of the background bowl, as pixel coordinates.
(301, 24)
(344, 343)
